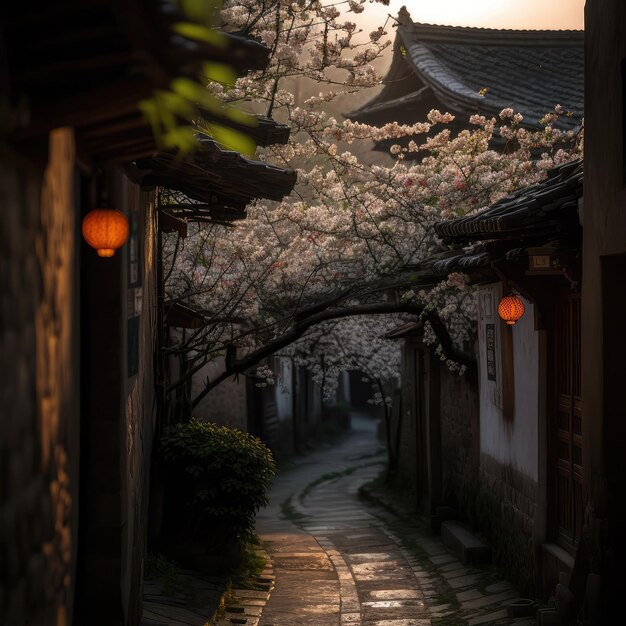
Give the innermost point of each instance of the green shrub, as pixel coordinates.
(220, 476)
(158, 567)
(246, 565)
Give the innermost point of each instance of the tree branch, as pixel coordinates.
(239, 366)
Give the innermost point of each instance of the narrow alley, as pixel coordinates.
(312, 313)
(338, 559)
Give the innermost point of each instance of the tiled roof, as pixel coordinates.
(474, 259)
(545, 207)
(544, 214)
(530, 71)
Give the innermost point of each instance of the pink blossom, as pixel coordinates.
(349, 222)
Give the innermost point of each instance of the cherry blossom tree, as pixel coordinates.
(352, 238)
(355, 343)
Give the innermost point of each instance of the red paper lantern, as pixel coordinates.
(106, 230)
(511, 308)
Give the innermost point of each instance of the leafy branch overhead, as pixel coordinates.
(187, 108)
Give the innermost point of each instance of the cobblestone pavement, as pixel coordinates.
(340, 561)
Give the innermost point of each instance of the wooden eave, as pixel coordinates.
(181, 316)
(216, 177)
(408, 329)
(177, 205)
(170, 223)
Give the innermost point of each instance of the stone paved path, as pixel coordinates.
(339, 561)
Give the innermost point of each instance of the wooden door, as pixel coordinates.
(428, 430)
(567, 426)
(421, 431)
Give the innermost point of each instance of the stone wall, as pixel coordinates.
(460, 441)
(39, 427)
(227, 403)
(506, 507)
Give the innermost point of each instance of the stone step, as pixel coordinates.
(556, 566)
(442, 514)
(462, 542)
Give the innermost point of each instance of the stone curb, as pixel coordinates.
(251, 601)
(350, 608)
(482, 615)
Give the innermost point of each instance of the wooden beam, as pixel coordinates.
(170, 223)
(131, 153)
(123, 124)
(96, 106)
(117, 140)
(79, 65)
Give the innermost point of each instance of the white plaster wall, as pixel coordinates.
(513, 442)
(284, 388)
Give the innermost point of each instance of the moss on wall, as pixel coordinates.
(505, 508)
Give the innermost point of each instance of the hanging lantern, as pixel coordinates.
(511, 308)
(106, 230)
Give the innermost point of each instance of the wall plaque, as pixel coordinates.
(491, 351)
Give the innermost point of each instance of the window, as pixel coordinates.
(134, 292)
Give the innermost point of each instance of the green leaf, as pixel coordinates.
(241, 117)
(173, 105)
(181, 138)
(163, 112)
(223, 473)
(191, 91)
(203, 11)
(198, 32)
(231, 139)
(219, 73)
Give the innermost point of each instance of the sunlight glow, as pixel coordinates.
(534, 14)
(457, 11)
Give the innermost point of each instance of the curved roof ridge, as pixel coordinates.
(481, 70)
(456, 27)
(434, 33)
(468, 34)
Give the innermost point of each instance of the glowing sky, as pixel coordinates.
(535, 14)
